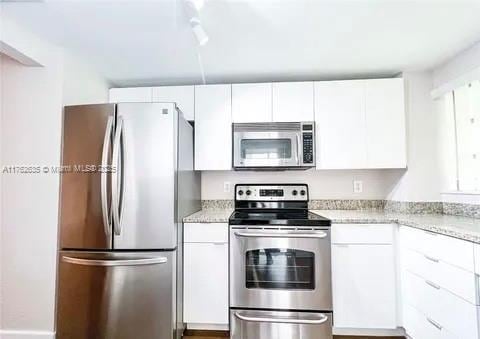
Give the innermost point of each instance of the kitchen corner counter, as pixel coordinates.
(458, 227)
(209, 215)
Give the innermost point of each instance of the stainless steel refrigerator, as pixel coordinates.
(127, 181)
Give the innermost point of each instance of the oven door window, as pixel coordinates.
(279, 268)
(266, 149)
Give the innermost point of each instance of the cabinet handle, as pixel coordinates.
(435, 324)
(435, 286)
(435, 260)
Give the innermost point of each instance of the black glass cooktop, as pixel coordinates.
(278, 217)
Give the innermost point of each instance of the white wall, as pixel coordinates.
(458, 66)
(30, 134)
(421, 181)
(323, 184)
(81, 83)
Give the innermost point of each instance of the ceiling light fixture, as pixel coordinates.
(199, 32)
(192, 8)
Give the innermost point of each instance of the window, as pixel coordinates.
(465, 104)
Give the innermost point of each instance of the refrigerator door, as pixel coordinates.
(116, 295)
(85, 215)
(144, 190)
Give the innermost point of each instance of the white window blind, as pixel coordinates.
(466, 101)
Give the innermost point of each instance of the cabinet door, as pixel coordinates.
(183, 96)
(364, 292)
(206, 283)
(213, 127)
(132, 94)
(252, 102)
(385, 120)
(340, 124)
(293, 101)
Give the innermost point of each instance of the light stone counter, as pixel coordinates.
(209, 215)
(457, 227)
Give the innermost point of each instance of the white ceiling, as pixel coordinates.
(144, 42)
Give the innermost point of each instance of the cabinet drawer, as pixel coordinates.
(418, 326)
(450, 250)
(456, 315)
(205, 232)
(454, 279)
(362, 234)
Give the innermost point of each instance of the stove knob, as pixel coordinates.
(248, 192)
(294, 192)
(302, 192)
(240, 192)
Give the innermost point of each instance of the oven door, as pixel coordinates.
(247, 324)
(266, 149)
(288, 268)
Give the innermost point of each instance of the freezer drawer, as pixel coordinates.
(116, 295)
(246, 324)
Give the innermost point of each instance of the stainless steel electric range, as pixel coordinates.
(280, 266)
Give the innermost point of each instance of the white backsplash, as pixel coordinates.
(324, 184)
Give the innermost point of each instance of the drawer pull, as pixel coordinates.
(435, 324)
(435, 286)
(435, 260)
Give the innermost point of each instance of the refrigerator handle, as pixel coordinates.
(115, 262)
(115, 180)
(106, 211)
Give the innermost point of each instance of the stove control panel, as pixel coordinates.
(259, 192)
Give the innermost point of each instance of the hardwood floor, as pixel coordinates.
(196, 334)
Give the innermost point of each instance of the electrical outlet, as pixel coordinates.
(226, 186)
(357, 186)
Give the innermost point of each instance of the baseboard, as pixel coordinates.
(205, 334)
(366, 332)
(15, 334)
(210, 327)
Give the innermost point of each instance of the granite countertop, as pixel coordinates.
(457, 227)
(209, 215)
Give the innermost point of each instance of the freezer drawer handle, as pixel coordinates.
(319, 235)
(322, 319)
(106, 211)
(120, 262)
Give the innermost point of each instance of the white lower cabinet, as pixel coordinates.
(421, 327)
(206, 275)
(439, 286)
(364, 278)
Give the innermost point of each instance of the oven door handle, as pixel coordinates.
(319, 321)
(318, 235)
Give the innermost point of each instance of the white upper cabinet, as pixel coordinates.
(293, 101)
(360, 124)
(340, 124)
(183, 96)
(132, 94)
(252, 102)
(213, 127)
(385, 121)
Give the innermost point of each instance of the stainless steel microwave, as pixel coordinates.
(271, 146)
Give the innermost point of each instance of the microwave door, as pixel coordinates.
(266, 149)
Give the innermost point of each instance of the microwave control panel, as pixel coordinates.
(307, 138)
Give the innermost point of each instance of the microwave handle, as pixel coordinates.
(298, 149)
